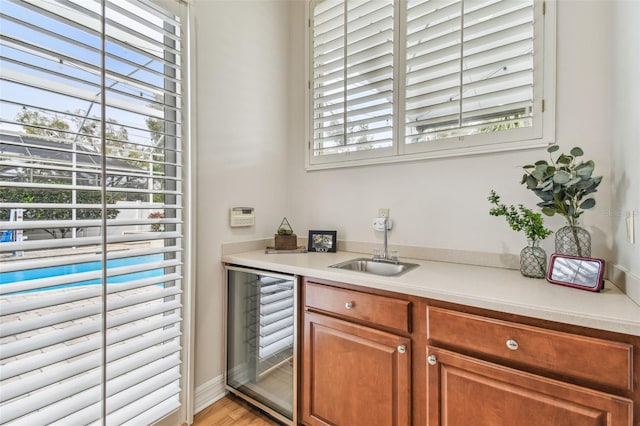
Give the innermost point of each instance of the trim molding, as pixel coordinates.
(497, 260)
(242, 246)
(625, 281)
(208, 393)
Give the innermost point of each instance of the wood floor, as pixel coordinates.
(232, 411)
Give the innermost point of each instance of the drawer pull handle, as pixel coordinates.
(512, 344)
(432, 360)
(348, 305)
(402, 349)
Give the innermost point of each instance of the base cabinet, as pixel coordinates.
(354, 375)
(380, 358)
(463, 390)
(356, 358)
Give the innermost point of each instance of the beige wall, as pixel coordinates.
(625, 130)
(250, 142)
(242, 145)
(442, 202)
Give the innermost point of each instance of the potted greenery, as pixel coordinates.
(563, 185)
(533, 259)
(284, 238)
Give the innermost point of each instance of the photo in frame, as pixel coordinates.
(579, 272)
(323, 241)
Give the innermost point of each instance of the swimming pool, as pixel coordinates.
(52, 271)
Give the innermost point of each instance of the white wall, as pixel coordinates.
(625, 130)
(242, 144)
(442, 203)
(250, 136)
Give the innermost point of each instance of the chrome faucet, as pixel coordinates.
(385, 256)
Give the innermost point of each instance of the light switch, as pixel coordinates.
(631, 237)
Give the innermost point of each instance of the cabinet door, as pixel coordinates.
(465, 391)
(354, 375)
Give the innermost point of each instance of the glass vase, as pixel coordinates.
(533, 261)
(573, 241)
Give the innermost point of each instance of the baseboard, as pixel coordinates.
(625, 281)
(208, 393)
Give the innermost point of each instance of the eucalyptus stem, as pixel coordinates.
(576, 239)
(564, 184)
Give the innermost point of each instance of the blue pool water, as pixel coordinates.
(32, 274)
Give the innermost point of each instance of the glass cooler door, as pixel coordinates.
(261, 340)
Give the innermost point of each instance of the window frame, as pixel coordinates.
(543, 128)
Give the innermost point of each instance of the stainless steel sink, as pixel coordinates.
(375, 267)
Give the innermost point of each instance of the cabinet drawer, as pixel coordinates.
(599, 361)
(380, 310)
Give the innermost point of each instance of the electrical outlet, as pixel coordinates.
(383, 212)
(378, 224)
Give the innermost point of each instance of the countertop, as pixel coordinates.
(499, 289)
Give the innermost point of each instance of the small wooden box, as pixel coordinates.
(286, 242)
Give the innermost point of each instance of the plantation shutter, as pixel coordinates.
(92, 251)
(469, 68)
(352, 79)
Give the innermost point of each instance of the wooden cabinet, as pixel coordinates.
(498, 372)
(354, 370)
(371, 357)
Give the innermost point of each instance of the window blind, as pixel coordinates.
(419, 78)
(91, 212)
(352, 69)
(469, 67)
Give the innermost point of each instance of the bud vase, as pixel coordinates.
(573, 241)
(533, 261)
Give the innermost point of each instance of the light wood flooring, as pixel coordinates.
(232, 411)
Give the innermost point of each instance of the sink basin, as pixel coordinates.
(375, 267)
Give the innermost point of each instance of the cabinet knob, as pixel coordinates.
(402, 349)
(348, 305)
(432, 360)
(512, 344)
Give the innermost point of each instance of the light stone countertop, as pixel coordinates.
(499, 289)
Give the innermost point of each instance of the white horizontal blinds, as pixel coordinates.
(50, 176)
(469, 67)
(352, 76)
(497, 89)
(145, 73)
(328, 77)
(432, 80)
(50, 68)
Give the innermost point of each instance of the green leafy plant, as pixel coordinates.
(562, 184)
(520, 218)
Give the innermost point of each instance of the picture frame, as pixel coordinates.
(323, 241)
(585, 273)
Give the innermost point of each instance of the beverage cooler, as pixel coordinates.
(261, 340)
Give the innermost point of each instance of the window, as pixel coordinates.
(92, 256)
(398, 80)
